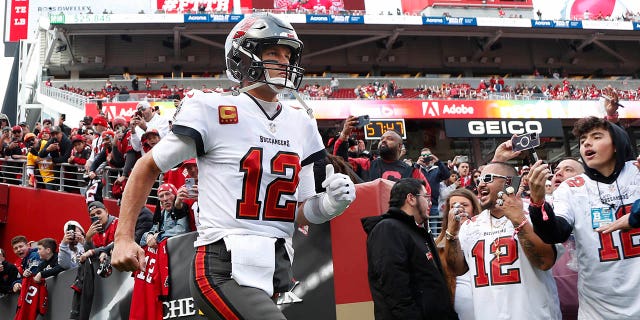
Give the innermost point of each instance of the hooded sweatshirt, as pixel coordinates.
(557, 229)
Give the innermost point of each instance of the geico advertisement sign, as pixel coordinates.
(480, 127)
(458, 128)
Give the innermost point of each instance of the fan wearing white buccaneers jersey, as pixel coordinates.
(594, 205)
(255, 178)
(509, 263)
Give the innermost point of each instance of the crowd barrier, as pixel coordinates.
(330, 265)
(68, 178)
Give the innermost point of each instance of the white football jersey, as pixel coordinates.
(505, 285)
(608, 264)
(248, 163)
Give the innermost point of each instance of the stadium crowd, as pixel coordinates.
(97, 140)
(504, 229)
(493, 87)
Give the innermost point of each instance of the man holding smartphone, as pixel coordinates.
(506, 258)
(435, 171)
(71, 246)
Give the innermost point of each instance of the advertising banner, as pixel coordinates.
(23, 15)
(186, 6)
(464, 109)
(476, 128)
(17, 20)
(584, 9)
(127, 109)
(421, 109)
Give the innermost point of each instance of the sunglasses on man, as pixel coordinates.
(489, 177)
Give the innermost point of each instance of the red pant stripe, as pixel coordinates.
(207, 289)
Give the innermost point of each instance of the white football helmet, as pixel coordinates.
(244, 45)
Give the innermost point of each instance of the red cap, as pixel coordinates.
(46, 130)
(167, 187)
(108, 133)
(190, 161)
(77, 137)
(152, 131)
(16, 128)
(100, 120)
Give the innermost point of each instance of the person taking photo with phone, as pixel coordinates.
(599, 207)
(71, 246)
(506, 257)
(353, 154)
(435, 171)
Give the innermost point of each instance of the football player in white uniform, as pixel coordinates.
(255, 180)
(509, 263)
(594, 205)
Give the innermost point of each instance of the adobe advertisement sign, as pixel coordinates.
(464, 109)
(421, 109)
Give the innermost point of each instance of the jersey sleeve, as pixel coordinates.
(195, 118)
(562, 203)
(313, 148)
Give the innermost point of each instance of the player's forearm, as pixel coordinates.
(300, 219)
(455, 257)
(540, 254)
(135, 195)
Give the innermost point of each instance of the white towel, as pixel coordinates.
(253, 260)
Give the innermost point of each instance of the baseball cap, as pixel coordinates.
(77, 137)
(109, 133)
(6, 129)
(101, 121)
(74, 223)
(46, 121)
(150, 132)
(29, 136)
(96, 205)
(87, 120)
(55, 129)
(167, 187)
(45, 130)
(22, 124)
(143, 105)
(190, 161)
(16, 129)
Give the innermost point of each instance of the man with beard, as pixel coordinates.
(404, 284)
(507, 259)
(388, 165)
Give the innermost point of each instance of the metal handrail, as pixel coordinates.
(68, 97)
(68, 178)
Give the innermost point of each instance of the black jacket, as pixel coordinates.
(58, 156)
(7, 277)
(405, 274)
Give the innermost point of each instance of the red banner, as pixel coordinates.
(18, 20)
(349, 241)
(127, 109)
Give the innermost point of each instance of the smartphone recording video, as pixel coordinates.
(189, 183)
(363, 121)
(512, 182)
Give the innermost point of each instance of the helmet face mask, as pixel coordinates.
(249, 39)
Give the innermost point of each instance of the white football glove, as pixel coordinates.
(340, 192)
